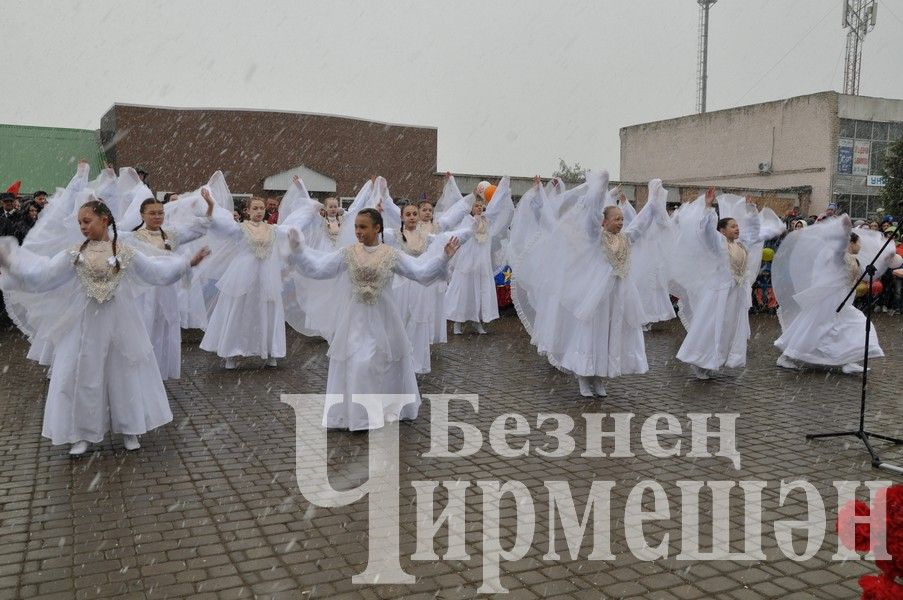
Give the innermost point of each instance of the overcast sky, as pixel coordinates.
(511, 85)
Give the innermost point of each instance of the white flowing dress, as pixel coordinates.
(471, 295)
(247, 316)
(160, 305)
(105, 376)
(369, 350)
(716, 294)
(580, 302)
(809, 292)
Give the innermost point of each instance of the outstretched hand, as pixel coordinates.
(710, 197)
(201, 255)
(452, 246)
(536, 181)
(205, 194)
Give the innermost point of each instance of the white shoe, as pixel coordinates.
(457, 328)
(230, 363)
(851, 368)
(479, 328)
(586, 387)
(700, 372)
(78, 448)
(599, 386)
(786, 363)
(272, 362)
(130, 442)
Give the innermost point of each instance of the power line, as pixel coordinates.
(786, 54)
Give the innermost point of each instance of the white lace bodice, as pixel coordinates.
(370, 269)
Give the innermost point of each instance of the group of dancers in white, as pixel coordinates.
(108, 277)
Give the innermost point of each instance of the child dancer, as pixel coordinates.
(812, 272)
(332, 222)
(471, 290)
(247, 316)
(160, 305)
(717, 260)
(588, 325)
(421, 305)
(104, 376)
(369, 351)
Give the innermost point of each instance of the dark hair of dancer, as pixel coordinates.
(102, 210)
(145, 204)
(376, 218)
(723, 223)
(404, 205)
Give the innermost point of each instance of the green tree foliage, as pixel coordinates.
(570, 175)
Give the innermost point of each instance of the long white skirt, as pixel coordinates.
(471, 297)
(104, 377)
(719, 331)
(370, 354)
(823, 337)
(160, 311)
(421, 311)
(246, 326)
(608, 344)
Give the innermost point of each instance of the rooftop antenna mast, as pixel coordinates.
(702, 57)
(859, 18)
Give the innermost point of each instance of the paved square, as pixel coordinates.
(210, 507)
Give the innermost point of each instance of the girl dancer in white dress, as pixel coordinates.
(715, 263)
(369, 351)
(247, 317)
(584, 311)
(421, 305)
(104, 375)
(812, 272)
(160, 305)
(471, 292)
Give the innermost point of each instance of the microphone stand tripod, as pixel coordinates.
(862, 434)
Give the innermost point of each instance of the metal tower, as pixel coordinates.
(702, 58)
(859, 18)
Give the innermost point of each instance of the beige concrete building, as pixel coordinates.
(805, 151)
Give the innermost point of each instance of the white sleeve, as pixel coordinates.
(192, 231)
(34, 273)
(318, 265)
(451, 218)
(640, 222)
(424, 269)
(159, 270)
(708, 232)
(225, 227)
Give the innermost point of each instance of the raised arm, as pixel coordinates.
(500, 211)
(653, 211)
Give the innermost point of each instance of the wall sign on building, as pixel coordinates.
(861, 157)
(875, 181)
(845, 156)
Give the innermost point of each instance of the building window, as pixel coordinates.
(879, 131)
(895, 132)
(847, 128)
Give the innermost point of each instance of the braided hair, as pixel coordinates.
(404, 205)
(376, 217)
(99, 208)
(145, 204)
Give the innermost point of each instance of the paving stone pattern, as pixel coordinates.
(210, 507)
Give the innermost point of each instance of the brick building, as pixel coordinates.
(180, 148)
